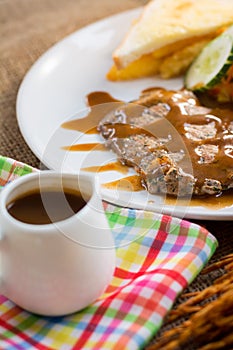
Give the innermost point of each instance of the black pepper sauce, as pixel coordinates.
(131, 183)
(103, 102)
(99, 97)
(174, 126)
(113, 166)
(222, 165)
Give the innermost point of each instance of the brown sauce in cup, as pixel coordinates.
(45, 207)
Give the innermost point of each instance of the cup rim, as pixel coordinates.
(45, 173)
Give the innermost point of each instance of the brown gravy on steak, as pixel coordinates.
(133, 184)
(179, 121)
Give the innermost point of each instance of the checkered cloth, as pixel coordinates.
(150, 272)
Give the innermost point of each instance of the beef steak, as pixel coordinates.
(177, 146)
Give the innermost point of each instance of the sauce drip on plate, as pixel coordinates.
(103, 102)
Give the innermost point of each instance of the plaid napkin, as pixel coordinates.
(151, 271)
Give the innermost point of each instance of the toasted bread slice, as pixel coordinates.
(168, 26)
(160, 62)
(145, 66)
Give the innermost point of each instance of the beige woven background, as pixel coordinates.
(27, 29)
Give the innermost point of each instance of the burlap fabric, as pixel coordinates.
(28, 28)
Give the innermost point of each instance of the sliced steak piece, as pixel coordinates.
(161, 174)
(133, 149)
(207, 153)
(153, 96)
(200, 132)
(152, 160)
(136, 114)
(176, 145)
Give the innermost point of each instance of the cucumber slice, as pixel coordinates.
(212, 64)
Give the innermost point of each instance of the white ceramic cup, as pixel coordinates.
(58, 268)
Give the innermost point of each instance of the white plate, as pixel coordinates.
(55, 88)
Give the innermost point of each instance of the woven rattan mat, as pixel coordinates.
(28, 28)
